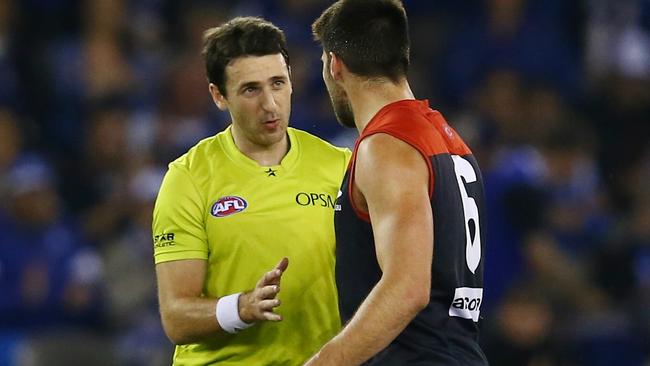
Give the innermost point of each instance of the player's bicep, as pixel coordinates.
(394, 178)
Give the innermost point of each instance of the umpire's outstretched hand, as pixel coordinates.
(258, 304)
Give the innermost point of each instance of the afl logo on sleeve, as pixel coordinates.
(228, 205)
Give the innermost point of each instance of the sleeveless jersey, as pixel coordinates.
(217, 204)
(446, 331)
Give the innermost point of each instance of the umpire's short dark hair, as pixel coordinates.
(370, 36)
(240, 37)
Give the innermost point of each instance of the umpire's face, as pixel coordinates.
(258, 98)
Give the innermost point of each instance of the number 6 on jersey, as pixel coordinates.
(473, 247)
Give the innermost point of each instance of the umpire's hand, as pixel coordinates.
(258, 304)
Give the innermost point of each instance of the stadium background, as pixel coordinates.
(96, 97)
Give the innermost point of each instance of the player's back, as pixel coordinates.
(446, 331)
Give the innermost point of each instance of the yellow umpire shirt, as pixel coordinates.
(217, 204)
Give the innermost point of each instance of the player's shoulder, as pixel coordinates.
(314, 145)
(426, 129)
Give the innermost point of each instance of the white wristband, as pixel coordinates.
(228, 314)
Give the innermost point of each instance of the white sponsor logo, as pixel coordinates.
(337, 207)
(467, 303)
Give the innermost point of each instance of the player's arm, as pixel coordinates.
(189, 317)
(393, 177)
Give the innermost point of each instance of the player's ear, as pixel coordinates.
(336, 66)
(218, 98)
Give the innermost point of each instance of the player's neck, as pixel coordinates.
(368, 97)
(264, 155)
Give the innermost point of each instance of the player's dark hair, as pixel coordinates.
(240, 37)
(370, 36)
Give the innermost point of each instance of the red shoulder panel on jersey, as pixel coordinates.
(413, 122)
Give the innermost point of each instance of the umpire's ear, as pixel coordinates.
(218, 98)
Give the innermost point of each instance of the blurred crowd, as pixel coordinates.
(553, 96)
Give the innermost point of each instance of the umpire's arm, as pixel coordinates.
(188, 316)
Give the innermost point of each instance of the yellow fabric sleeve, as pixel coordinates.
(178, 218)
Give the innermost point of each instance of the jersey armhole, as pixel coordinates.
(358, 211)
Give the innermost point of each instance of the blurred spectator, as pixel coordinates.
(509, 34)
(522, 332)
(9, 93)
(185, 114)
(577, 212)
(94, 185)
(619, 64)
(620, 116)
(513, 172)
(618, 38)
(85, 68)
(623, 264)
(131, 284)
(10, 138)
(48, 275)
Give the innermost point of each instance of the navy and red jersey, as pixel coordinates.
(446, 331)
